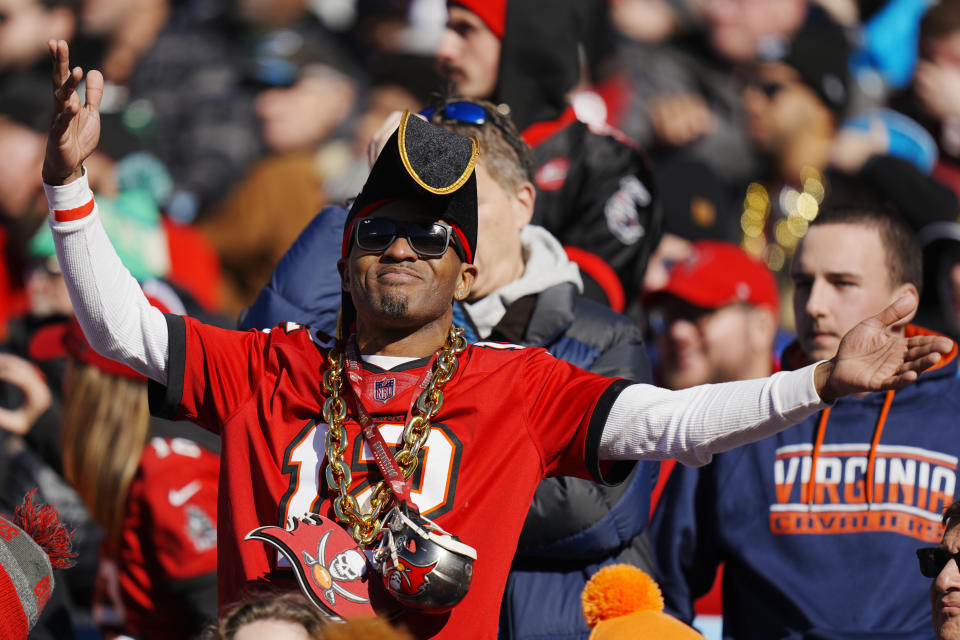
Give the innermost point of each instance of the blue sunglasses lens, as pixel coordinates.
(465, 112)
(459, 112)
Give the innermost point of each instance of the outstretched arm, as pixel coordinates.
(693, 424)
(116, 317)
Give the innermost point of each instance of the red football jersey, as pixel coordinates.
(147, 582)
(510, 417)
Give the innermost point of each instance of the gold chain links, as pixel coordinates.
(365, 527)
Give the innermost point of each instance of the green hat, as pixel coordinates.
(134, 226)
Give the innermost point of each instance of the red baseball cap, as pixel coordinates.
(717, 274)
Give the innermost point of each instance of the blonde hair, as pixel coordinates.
(106, 422)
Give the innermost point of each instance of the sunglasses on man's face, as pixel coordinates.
(934, 559)
(427, 239)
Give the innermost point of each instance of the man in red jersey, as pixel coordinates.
(508, 416)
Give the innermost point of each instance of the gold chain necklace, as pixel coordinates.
(365, 527)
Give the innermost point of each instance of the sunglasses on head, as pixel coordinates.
(468, 112)
(475, 114)
(934, 559)
(427, 239)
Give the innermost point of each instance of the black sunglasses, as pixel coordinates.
(428, 239)
(668, 309)
(769, 89)
(934, 559)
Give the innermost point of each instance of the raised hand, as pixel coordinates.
(36, 394)
(75, 131)
(875, 355)
(680, 119)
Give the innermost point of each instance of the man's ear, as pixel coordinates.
(763, 329)
(902, 290)
(524, 198)
(344, 270)
(468, 275)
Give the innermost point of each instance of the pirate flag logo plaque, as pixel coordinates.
(331, 569)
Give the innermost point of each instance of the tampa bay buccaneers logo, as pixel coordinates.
(346, 566)
(331, 569)
(408, 578)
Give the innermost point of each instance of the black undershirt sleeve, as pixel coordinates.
(608, 473)
(165, 399)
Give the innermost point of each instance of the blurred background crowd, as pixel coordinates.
(655, 126)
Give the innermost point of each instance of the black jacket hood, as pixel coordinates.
(539, 60)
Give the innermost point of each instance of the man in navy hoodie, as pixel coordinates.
(817, 526)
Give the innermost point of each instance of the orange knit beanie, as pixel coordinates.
(620, 601)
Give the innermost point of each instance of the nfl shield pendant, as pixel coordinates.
(333, 572)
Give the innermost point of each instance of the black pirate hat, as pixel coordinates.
(431, 166)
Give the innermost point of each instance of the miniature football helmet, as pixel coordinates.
(423, 566)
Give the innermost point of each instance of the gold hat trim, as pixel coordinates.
(402, 141)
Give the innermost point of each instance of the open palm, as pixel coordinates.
(75, 130)
(875, 355)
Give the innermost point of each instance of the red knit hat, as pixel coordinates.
(31, 546)
(493, 13)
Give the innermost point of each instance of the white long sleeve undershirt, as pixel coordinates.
(645, 421)
(115, 315)
(692, 424)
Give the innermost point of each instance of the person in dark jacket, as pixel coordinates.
(594, 188)
(527, 292)
(817, 527)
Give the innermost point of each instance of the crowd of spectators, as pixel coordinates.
(651, 184)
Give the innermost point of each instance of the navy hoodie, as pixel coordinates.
(831, 557)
